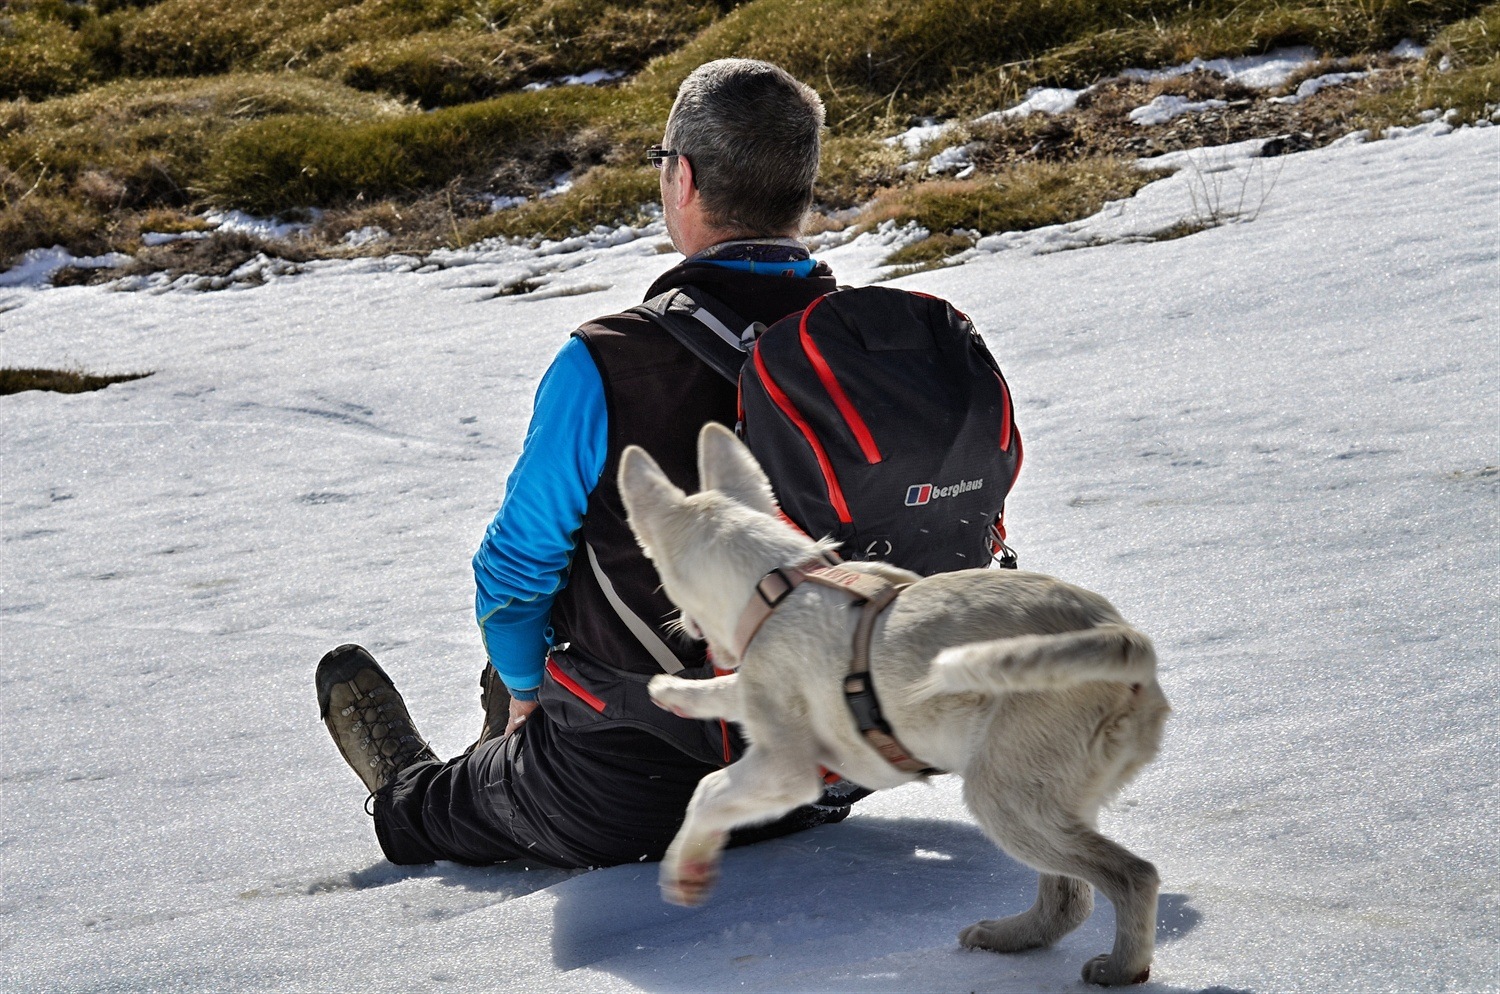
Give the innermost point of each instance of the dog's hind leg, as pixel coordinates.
(1058, 843)
(761, 786)
(1131, 884)
(1062, 904)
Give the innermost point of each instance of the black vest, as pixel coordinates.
(610, 620)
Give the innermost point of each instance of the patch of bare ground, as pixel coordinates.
(392, 226)
(218, 254)
(1101, 125)
(13, 380)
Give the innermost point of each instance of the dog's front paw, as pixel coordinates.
(1105, 972)
(665, 692)
(1001, 935)
(689, 881)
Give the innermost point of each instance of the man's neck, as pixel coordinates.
(752, 248)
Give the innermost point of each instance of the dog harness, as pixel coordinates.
(872, 595)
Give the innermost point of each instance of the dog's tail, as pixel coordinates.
(1116, 653)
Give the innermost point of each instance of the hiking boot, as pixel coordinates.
(367, 717)
(839, 796)
(495, 700)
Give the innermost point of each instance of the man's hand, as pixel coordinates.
(519, 712)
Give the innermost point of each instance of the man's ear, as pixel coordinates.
(725, 465)
(681, 182)
(646, 491)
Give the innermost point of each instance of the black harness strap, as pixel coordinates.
(873, 595)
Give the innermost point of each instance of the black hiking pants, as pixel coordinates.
(542, 794)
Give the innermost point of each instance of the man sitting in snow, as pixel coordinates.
(576, 767)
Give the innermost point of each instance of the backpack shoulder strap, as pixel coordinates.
(705, 326)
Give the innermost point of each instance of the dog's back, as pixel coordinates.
(1051, 668)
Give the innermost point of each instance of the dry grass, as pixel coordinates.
(885, 61)
(220, 254)
(438, 52)
(1028, 195)
(295, 160)
(1461, 74)
(40, 57)
(58, 380)
(94, 160)
(458, 64)
(270, 105)
(930, 251)
(608, 195)
(853, 168)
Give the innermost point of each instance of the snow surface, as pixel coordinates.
(1165, 107)
(40, 264)
(1260, 72)
(1308, 87)
(954, 159)
(1041, 100)
(241, 223)
(594, 77)
(1273, 444)
(913, 138)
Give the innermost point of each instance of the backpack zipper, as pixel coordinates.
(852, 419)
(781, 400)
(1005, 414)
(573, 687)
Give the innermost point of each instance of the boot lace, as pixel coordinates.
(387, 739)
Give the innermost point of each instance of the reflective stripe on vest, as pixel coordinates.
(644, 633)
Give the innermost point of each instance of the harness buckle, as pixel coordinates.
(863, 704)
(787, 587)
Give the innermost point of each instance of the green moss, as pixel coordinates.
(40, 57)
(609, 195)
(296, 160)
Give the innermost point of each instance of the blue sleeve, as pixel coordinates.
(523, 561)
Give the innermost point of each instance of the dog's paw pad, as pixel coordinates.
(973, 937)
(690, 883)
(1105, 972)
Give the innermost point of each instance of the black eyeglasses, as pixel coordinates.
(656, 155)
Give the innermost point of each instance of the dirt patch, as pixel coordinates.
(58, 380)
(1101, 124)
(216, 255)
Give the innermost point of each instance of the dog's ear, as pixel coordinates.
(646, 491)
(726, 465)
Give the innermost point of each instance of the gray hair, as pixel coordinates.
(752, 133)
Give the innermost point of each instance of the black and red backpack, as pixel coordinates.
(879, 415)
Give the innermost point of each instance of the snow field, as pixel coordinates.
(1272, 444)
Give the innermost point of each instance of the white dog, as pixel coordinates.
(1035, 691)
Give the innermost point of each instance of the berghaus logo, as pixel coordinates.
(921, 493)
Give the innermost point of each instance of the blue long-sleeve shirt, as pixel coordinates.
(524, 558)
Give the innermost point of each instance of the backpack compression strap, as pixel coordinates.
(705, 326)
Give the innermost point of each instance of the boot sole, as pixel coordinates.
(340, 666)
